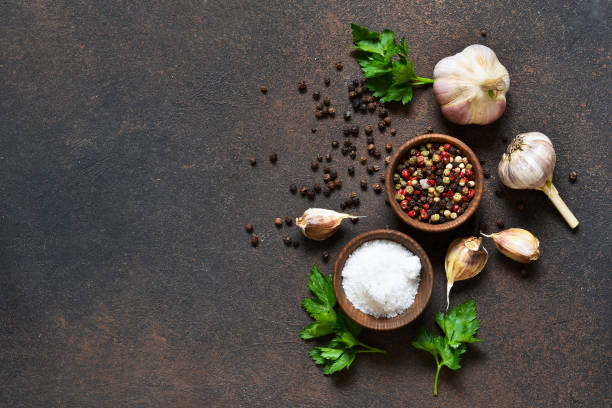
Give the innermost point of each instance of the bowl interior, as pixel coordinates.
(421, 299)
(433, 138)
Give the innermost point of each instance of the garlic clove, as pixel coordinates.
(319, 223)
(465, 258)
(471, 86)
(518, 244)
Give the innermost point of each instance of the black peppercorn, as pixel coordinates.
(254, 240)
(303, 190)
(356, 202)
(388, 147)
(487, 174)
(326, 169)
(573, 176)
(328, 157)
(331, 185)
(313, 130)
(326, 81)
(371, 106)
(363, 184)
(382, 112)
(352, 153)
(314, 165)
(339, 66)
(288, 221)
(500, 223)
(326, 192)
(381, 126)
(369, 140)
(326, 101)
(273, 157)
(263, 89)
(367, 129)
(338, 183)
(287, 240)
(317, 188)
(355, 83)
(319, 114)
(248, 227)
(311, 193)
(319, 158)
(363, 160)
(377, 188)
(253, 161)
(326, 178)
(344, 150)
(293, 188)
(352, 94)
(351, 87)
(356, 104)
(483, 33)
(333, 174)
(325, 256)
(331, 111)
(319, 106)
(302, 86)
(387, 120)
(335, 144)
(278, 222)
(363, 108)
(316, 95)
(393, 132)
(347, 115)
(351, 170)
(354, 130)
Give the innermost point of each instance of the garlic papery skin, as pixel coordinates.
(319, 223)
(529, 163)
(465, 258)
(471, 86)
(517, 243)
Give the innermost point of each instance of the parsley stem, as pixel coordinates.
(422, 81)
(370, 349)
(436, 380)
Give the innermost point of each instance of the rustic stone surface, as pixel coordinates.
(127, 278)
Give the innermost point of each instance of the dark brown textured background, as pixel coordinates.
(126, 276)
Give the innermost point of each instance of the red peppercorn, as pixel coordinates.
(424, 215)
(455, 207)
(401, 191)
(471, 194)
(404, 205)
(433, 168)
(465, 198)
(444, 153)
(469, 173)
(417, 193)
(446, 160)
(463, 179)
(447, 146)
(420, 161)
(405, 174)
(431, 182)
(412, 213)
(451, 178)
(426, 206)
(418, 154)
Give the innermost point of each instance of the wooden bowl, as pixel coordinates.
(403, 152)
(421, 299)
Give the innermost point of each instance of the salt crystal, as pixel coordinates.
(381, 278)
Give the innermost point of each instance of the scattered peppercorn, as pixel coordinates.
(500, 223)
(351, 170)
(393, 132)
(325, 256)
(326, 192)
(288, 221)
(327, 81)
(335, 144)
(377, 188)
(331, 185)
(253, 161)
(483, 33)
(387, 160)
(482, 227)
(368, 129)
(353, 154)
(302, 86)
(387, 120)
(248, 227)
(333, 174)
(338, 183)
(273, 157)
(263, 89)
(429, 129)
(388, 147)
(363, 160)
(363, 184)
(355, 130)
(573, 176)
(339, 66)
(326, 101)
(311, 193)
(254, 240)
(381, 126)
(319, 158)
(316, 95)
(303, 191)
(347, 115)
(317, 188)
(487, 174)
(314, 165)
(498, 192)
(313, 130)
(328, 157)
(278, 222)
(287, 240)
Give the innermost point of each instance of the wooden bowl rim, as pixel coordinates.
(422, 297)
(478, 177)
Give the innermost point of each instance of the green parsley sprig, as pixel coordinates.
(459, 327)
(343, 348)
(389, 78)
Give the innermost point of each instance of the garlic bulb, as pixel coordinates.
(528, 163)
(471, 86)
(465, 258)
(320, 224)
(517, 244)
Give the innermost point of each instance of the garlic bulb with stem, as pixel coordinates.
(465, 258)
(516, 243)
(471, 86)
(529, 163)
(319, 223)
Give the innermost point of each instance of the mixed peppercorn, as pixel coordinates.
(435, 183)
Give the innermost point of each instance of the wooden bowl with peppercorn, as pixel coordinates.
(434, 182)
(422, 288)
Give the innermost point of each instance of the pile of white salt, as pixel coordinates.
(381, 278)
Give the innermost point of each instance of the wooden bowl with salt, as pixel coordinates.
(421, 299)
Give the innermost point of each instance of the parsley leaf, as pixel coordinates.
(459, 327)
(389, 78)
(330, 319)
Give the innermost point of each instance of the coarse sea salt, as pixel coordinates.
(381, 278)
